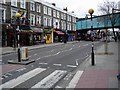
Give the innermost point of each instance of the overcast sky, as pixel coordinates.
(80, 7)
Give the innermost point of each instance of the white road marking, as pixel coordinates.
(43, 63)
(70, 48)
(8, 74)
(38, 59)
(56, 54)
(52, 50)
(14, 82)
(21, 69)
(50, 80)
(71, 66)
(57, 64)
(47, 56)
(35, 54)
(85, 44)
(5, 76)
(77, 62)
(75, 79)
(58, 86)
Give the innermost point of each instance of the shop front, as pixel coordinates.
(37, 35)
(25, 35)
(58, 36)
(71, 35)
(48, 36)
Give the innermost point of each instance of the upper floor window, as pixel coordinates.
(2, 14)
(32, 6)
(2, 1)
(45, 10)
(49, 11)
(62, 17)
(38, 6)
(13, 13)
(45, 21)
(49, 21)
(23, 3)
(74, 19)
(32, 19)
(14, 3)
(38, 20)
(54, 13)
(58, 14)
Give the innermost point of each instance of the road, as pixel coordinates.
(51, 65)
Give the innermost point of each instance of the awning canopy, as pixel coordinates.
(59, 32)
(37, 30)
(24, 27)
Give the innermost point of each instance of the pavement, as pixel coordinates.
(103, 74)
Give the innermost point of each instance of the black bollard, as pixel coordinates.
(92, 56)
(19, 55)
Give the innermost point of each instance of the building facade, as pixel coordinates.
(42, 22)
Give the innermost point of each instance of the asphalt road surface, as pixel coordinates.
(51, 65)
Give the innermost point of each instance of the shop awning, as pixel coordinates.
(59, 32)
(37, 30)
(25, 27)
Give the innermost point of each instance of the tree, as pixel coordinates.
(107, 7)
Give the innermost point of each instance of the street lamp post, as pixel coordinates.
(91, 11)
(18, 15)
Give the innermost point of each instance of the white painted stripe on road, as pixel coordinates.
(57, 64)
(47, 56)
(50, 80)
(43, 63)
(85, 44)
(71, 66)
(35, 54)
(77, 62)
(38, 59)
(75, 79)
(70, 48)
(14, 82)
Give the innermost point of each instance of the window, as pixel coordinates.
(23, 3)
(13, 13)
(45, 10)
(49, 11)
(58, 14)
(49, 21)
(32, 19)
(2, 1)
(54, 13)
(62, 17)
(2, 15)
(14, 3)
(32, 6)
(45, 21)
(38, 8)
(38, 20)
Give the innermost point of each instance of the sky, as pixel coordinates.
(80, 7)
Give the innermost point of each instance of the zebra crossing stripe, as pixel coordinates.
(50, 80)
(75, 80)
(14, 82)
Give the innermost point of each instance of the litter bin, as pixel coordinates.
(24, 53)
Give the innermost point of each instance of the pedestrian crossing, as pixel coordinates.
(39, 78)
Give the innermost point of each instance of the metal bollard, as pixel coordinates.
(19, 55)
(92, 56)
